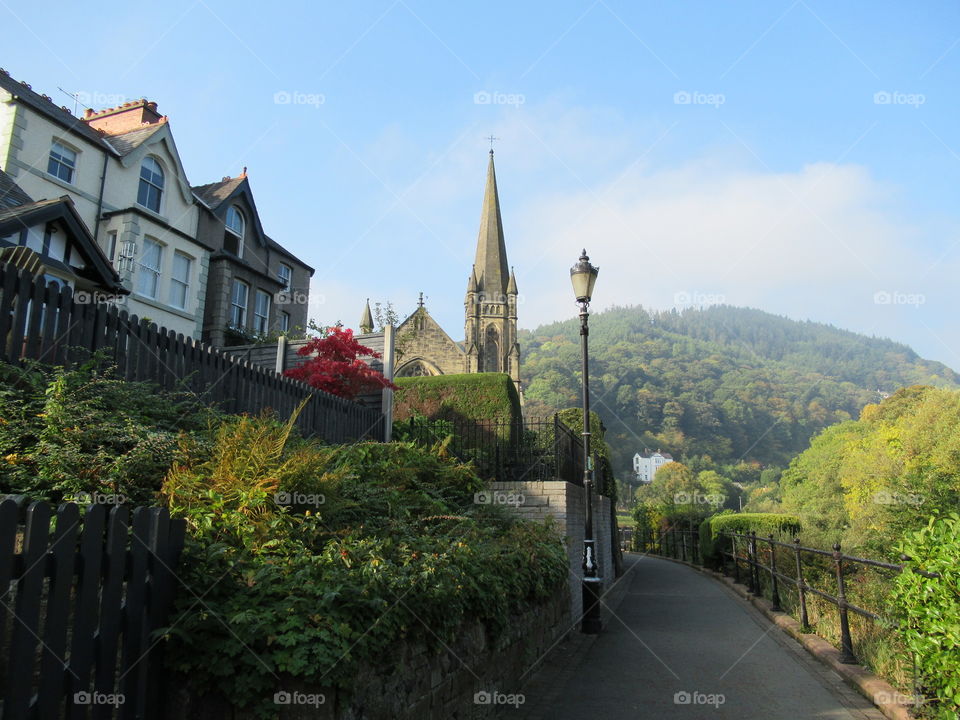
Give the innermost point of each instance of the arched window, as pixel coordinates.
(151, 184)
(233, 238)
(491, 350)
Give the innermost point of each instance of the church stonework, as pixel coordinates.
(490, 312)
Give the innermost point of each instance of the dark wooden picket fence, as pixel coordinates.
(81, 595)
(44, 323)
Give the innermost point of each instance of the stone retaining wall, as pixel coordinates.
(470, 679)
(565, 503)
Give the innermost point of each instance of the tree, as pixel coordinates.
(335, 366)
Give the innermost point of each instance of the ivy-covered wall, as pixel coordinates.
(475, 396)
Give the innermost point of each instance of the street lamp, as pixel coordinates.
(583, 275)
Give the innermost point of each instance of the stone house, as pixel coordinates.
(255, 286)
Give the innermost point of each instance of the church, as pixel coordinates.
(490, 312)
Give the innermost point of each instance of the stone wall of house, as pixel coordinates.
(566, 504)
(470, 679)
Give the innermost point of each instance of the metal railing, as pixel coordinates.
(752, 559)
(532, 449)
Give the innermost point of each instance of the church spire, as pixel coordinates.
(366, 322)
(491, 262)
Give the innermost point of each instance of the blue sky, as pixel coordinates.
(800, 157)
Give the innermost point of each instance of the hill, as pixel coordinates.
(735, 384)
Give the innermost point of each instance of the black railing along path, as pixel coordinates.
(748, 548)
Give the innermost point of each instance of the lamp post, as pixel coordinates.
(583, 275)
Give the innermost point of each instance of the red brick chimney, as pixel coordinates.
(124, 118)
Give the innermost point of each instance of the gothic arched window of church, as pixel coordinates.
(414, 369)
(491, 350)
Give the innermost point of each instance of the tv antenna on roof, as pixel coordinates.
(75, 96)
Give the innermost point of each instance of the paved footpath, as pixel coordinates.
(679, 644)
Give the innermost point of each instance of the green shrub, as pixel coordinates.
(475, 396)
(711, 543)
(392, 548)
(928, 610)
(83, 430)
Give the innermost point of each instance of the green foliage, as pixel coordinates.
(764, 524)
(83, 430)
(865, 483)
(928, 610)
(725, 382)
(603, 472)
(678, 495)
(761, 523)
(475, 396)
(319, 559)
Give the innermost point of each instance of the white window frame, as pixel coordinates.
(239, 234)
(238, 311)
(62, 161)
(180, 285)
(286, 279)
(261, 314)
(284, 321)
(144, 270)
(152, 184)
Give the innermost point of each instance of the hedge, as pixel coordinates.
(761, 523)
(474, 396)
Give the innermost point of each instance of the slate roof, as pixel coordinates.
(99, 268)
(18, 210)
(212, 194)
(11, 194)
(126, 143)
(58, 114)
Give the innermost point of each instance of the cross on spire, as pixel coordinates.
(420, 302)
(491, 138)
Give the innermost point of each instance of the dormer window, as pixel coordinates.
(62, 162)
(285, 273)
(233, 237)
(151, 184)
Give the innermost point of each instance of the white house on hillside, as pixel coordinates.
(646, 464)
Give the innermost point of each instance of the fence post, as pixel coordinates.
(756, 564)
(736, 560)
(752, 564)
(775, 597)
(683, 545)
(846, 644)
(696, 547)
(801, 587)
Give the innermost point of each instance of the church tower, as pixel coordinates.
(490, 305)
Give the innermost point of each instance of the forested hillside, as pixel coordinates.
(730, 383)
